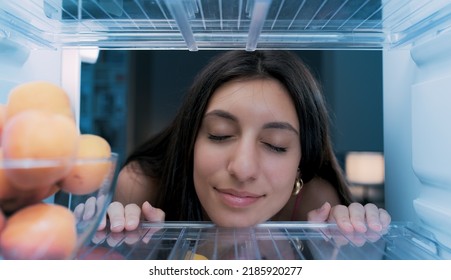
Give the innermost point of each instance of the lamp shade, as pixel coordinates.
(365, 167)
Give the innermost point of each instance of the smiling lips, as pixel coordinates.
(237, 199)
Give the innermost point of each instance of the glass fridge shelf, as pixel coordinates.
(220, 24)
(268, 241)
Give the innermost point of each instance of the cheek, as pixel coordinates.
(206, 163)
(282, 179)
(282, 174)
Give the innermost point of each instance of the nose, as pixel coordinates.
(244, 161)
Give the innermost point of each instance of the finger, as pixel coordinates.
(372, 236)
(99, 237)
(115, 239)
(340, 214)
(339, 238)
(78, 211)
(385, 218)
(372, 217)
(358, 239)
(319, 215)
(116, 215)
(132, 215)
(90, 208)
(102, 224)
(100, 201)
(357, 216)
(152, 214)
(132, 237)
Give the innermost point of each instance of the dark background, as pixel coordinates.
(129, 95)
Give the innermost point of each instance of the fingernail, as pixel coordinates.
(116, 224)
(348, 226)
(131, 222)
(361, 227)
(323, 207)
(376, 227)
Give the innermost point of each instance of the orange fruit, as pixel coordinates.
(12, 198)
(40, 95)
(2, 221)
(91, 168)
(16, 199)
(2, 119)
(39, 135)
(39, 231)
(5, 185)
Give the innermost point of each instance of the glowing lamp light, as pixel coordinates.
(366, 168)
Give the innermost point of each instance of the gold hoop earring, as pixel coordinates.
(298, 186)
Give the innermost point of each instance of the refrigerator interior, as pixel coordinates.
(267, 241)
(48, 40)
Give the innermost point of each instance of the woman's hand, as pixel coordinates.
(128, 217)
(356, 217)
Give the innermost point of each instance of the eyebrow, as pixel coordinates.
(222, 114)
(270, 125)
(281, 125)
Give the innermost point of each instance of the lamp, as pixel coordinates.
(366, 169)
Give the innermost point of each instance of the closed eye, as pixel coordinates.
(276, 149)
(218, 138)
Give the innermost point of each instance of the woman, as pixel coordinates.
(250, 143)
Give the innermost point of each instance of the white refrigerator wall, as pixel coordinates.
(401, 184)
(34, 65)
(417, 134)
(61, 66)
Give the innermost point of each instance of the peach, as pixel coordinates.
(5, 185)
(2, 119)
(39, 231)
(91, 168)
(48, 140)
(20, 199)
(2, 221)
(39, 95)
(12, 198)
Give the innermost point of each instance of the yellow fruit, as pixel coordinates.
(39, 95)
(39, 231)
(91, 169)
(39, 135)
(194, 256)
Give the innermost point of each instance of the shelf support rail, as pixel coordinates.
(259, 13)
(179, 13)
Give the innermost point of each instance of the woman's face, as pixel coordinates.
(247, 153)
